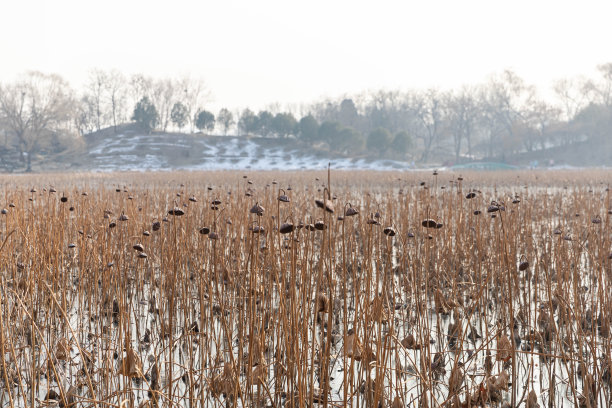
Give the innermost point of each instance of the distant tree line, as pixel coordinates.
(41, 113)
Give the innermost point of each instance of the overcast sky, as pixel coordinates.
(253, 53)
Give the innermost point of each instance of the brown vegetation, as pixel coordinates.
(369, 289)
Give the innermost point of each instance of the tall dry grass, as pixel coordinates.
(293, 289)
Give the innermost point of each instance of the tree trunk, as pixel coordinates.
(29, 165)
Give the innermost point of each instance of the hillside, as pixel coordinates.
(130, 149)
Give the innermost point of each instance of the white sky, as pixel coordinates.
(256, 52)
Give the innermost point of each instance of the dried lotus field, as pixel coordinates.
(301, 289)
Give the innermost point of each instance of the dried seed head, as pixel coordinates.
(11, 205)
(193, 199)
(176, 211)
(63, 199)
(146, 233)
(142, 255)
(322, 303)
(156, 226)
(389, 231)
(71, 246)
(350, 211)
(283, 197)
(257, 209)
(492, 208)
(327, 205)
(123, 217)
(112, 224)
(429, 223)
(213, 235)
(523, 265)
(4, 211)
(52, 190)
(320, 225)
(204, 230)
(216, 202)
(596, 220)
(286, 228)
(138, 247)
(257, 229)
(470, 195)
(439, 225)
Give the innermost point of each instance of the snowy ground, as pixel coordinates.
(131, 151)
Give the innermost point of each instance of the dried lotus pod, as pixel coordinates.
(176, 211)
(327, 205)
(351, 211)
(257, 209)
(389, 231)
(283, 197)
(258, 229)
(286, 228)
(492, 208)
(322, 303)
(429, 223)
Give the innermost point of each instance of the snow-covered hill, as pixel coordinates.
(129, 149)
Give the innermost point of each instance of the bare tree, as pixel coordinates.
(600, 91)
(164, 94)
(140, 86)
(462, 111)
(85, 116)
(505, 102)
(35, 109)
(116, 96)
(193, 94)
(429, 109)
(95, 95)
(573, 95)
